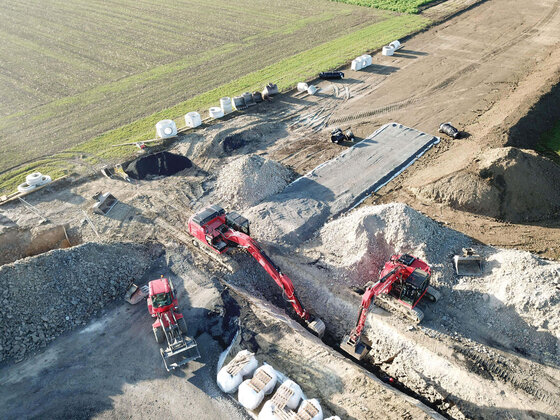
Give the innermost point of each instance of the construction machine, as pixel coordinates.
(219, 231)
(170, 326)
(403, 282)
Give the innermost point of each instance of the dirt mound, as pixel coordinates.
(44, 296)
(520, 286)
(163, 163)
(505, 183)
(250, 179)
(368, 236)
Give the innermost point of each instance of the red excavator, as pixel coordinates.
(221, 231)
(170, 325)
(403, 282)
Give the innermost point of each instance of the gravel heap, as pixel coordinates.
(362, 241)
(250, 179)
(503, 183)
(44, 296)
(517, 291)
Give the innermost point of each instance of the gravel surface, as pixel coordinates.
(47, 295)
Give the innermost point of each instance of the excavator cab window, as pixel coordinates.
(161, 300)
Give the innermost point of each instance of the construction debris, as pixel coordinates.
(448, 129)
(105, 202)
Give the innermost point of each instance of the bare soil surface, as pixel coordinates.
(478, 352)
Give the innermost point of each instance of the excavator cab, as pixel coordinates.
(412, 289)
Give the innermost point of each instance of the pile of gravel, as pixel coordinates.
(362, 241)
(44, 296)
(250, 179)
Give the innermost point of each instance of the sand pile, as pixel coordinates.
(505, 183)
(250, 179)
(528, 283)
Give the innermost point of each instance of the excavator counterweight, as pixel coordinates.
(220, 231)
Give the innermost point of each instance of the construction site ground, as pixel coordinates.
(484, 351)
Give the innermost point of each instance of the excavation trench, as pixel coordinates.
(21, 243)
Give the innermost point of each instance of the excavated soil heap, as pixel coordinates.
(356, 246)
(506, 183)
(163, 163)
(250, 179)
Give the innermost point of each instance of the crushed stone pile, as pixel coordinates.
(517, 291)
(362, 241)
(250, 179)
(44, 296)
(505, 183)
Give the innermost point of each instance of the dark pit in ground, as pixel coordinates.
(233, 142)
(158, 164)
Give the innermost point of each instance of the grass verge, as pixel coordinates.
(550, 142)
(402, 6)
(286, 73)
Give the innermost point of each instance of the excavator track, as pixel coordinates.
(224, 260)
(392, 305)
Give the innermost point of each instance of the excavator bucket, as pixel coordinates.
(317, 326)
(357, 350)
(135, 294)
(468, 264)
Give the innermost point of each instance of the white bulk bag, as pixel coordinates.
(248, 397)
(294, 400)
(227, 382)
(315, 403)
(192, 119)
(302, 86)
(166, 129)
(216, 112)
(387, 50)
(226, 105)
(269, 387)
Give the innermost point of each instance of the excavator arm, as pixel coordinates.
(351, 343)
(282, 280)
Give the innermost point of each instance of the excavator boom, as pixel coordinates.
(214, 228)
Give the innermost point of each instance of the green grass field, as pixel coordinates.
(80, 77)
(404, 6)
(550, 141)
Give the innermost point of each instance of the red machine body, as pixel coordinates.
(404, 278)
(162, 301)
(170, 325)
(221, 231)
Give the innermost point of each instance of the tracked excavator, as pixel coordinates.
(219, 231)
(403, 282)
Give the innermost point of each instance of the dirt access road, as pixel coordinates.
(482, 70)
(490, 50)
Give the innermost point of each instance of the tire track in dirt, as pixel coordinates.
(449, 80)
